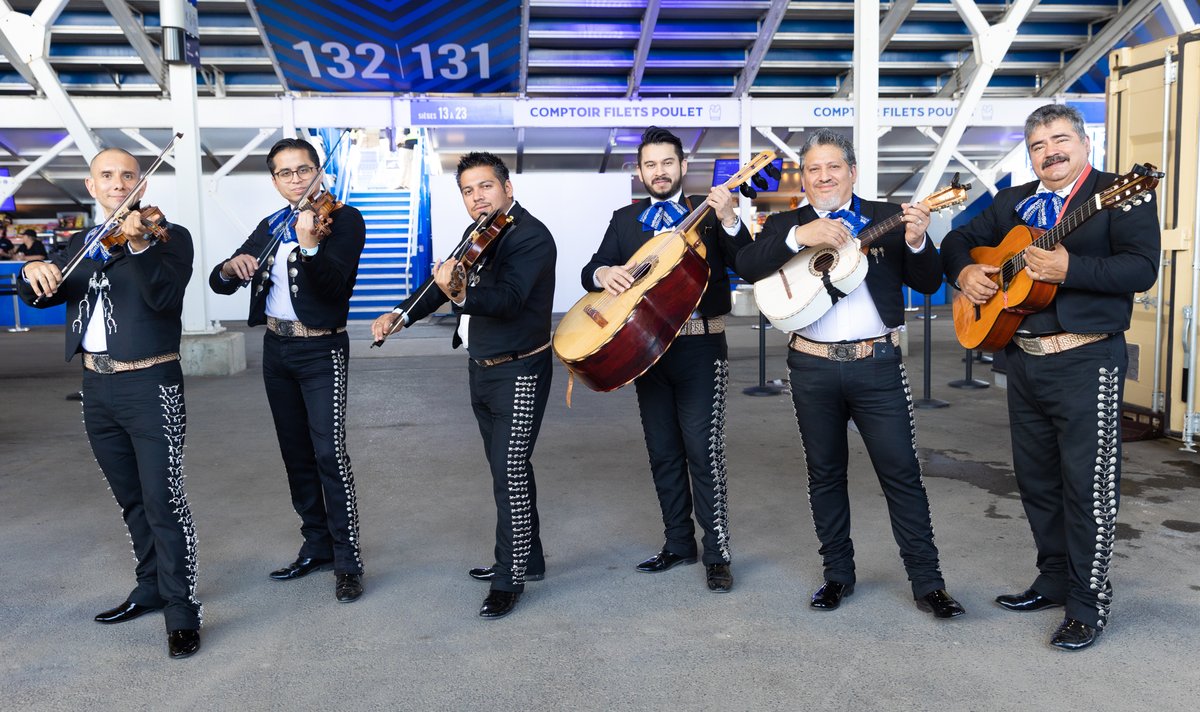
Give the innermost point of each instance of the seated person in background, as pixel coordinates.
(6, 247)
(29, 247)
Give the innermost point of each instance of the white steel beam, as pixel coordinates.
(649, 20)
(1179, 14)
(1098, 46)
(8, 186)
(236, 159)
(147, 144)
(785, 149)
(866, 96)
(135, 34)
(983, 175)
(888, 26)
(48, 11)
(990, 47)
(766, 32)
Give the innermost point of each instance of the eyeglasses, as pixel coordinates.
(302, 171)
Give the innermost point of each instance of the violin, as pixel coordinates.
(323, 206)
(468, 253)
(477, 243)
(153, 224)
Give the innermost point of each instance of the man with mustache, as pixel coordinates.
(847, 365)
(503, 305)
(682, 396)
(1066, 366)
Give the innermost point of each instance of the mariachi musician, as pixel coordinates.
(681, 397)
(503, 302)
(124, 299)
(300, 285)
(847, 365)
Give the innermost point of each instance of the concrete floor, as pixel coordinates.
(595, 634)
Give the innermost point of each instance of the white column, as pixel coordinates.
(866, 96)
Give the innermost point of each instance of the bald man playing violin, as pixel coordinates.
(301, 291)
(124, 301)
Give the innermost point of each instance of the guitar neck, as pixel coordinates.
(879, 229)
(1048, 239)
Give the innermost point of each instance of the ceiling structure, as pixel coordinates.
(615, 48)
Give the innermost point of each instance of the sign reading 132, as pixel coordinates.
(396, 46)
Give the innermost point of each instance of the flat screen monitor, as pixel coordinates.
(725, 168)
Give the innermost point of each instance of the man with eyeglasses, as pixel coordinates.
(301, 291)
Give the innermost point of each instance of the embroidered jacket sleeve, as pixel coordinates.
(162, 270)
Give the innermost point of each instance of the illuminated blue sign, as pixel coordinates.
(419, 46)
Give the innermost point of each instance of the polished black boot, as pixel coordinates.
(663, 561)
(127, 611)
(302, 566)
(829, 596)
(182, 643)
(489, 572)
(1025, 602)
(1074, 635)
(347, 587)
(940, 604)
(499, 604)
(719, 578)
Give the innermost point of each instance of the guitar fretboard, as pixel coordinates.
(1048, 239)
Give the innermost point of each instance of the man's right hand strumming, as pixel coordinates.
(976, 283)
(615, 279)
(383, 325)
(44, 277)
(240, 267)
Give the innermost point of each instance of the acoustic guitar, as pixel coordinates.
(607, 341)
(810, 283)
(990, 326)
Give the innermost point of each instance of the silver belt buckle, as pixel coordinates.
(843, 352)
(102, 363)
(285, 328)
(1032, 345)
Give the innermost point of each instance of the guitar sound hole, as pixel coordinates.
(644, 268)
(824, 262)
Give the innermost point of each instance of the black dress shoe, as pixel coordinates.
(182, 643)
(940, 604)
(1074, 635)
(1026, 601)
(302, 566)
(348, 587)
(127, 611)
(499, 604)
(720, 578)
(662, 561)
(829, 596)
(489, 572)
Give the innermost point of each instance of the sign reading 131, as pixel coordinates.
(385, 45)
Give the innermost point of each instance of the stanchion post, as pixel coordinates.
(763, 388)
(928, 401)
(16, 327)
(968, 380)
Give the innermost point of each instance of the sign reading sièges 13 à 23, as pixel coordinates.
(396, 45)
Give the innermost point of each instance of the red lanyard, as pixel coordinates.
(1087, 168)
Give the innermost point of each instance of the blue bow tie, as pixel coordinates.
(854, 221)
(273, 224)
(97, 251)
(662, 216)
(1041, 210)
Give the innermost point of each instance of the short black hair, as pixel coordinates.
(30, 233)
(1048, 114)
(654, 135)
(284, 144)
(475, 159)
(825, 137)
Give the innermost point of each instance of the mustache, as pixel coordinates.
(1052, 160)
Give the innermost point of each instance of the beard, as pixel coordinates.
(665, 193)
(825, 202)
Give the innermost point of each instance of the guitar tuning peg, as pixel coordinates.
(759, 182)
(748, 192)
(772, 171)
(1148, 197)
(1127, 208)
(1137, 202)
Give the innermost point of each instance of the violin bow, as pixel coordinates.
(119, 213)
(281, 230)
(454, 254)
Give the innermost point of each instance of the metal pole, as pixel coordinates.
(763, 388)
(17, 328)
(968, 380)
(1158, 400)
(928, 401)
(1189, 429)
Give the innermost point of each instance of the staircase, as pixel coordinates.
(384, 278)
